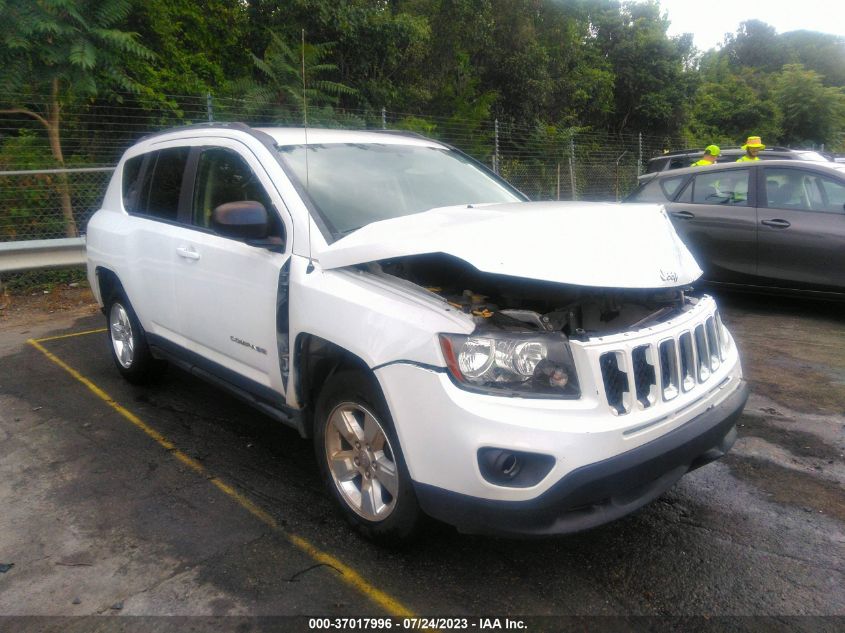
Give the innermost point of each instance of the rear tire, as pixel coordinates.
(361, 461)
(128, 343)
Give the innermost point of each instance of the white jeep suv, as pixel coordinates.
(509, 367)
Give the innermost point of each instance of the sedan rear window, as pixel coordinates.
(355, 184)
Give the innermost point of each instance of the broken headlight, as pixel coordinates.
(522, 364)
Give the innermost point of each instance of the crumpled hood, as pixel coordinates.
(587, 244)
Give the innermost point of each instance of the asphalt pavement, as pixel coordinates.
(176, 499)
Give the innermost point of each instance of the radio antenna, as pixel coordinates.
(305, 131)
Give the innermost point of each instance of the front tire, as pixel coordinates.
(361, 460)
(128, 343)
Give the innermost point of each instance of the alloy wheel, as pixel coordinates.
(122, 339)
(361, 461)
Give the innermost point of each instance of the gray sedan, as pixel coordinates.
(778, 224)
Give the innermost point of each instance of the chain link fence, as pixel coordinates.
(42, 198)
(31, 201)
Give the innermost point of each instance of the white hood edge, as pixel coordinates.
(587, 244)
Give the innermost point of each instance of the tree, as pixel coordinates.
(821, 52)
(199, 45)
(379, 47)
(812, 113)
(730, 109)
(64, 50)
(282, 84)
(756, 45)
(651, 82)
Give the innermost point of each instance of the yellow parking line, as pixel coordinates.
(348, 575)
(55, 338)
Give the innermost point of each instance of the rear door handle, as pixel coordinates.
(187, 252)
(684, 215)
(776, 224)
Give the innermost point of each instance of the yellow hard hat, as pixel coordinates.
(713, 150)
(753, 142)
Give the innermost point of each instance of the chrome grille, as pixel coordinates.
(669, 374)
(647, 374)
(712, 343)
(687, 362)
(702, 353)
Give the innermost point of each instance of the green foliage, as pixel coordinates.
(76, 43)
(282, 86)
(750, 87)
(755, 45)
(728, 111)
(608, 65)
(416, 124)
(199, 45)
(26, 201)
(43, 281)
(651, 82)
(812, 112)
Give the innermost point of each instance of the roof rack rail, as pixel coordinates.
(678, 152)
(262, 137)
(233, 125)
(401, 133)
(693, 150)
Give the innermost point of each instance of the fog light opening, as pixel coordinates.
(515, 469)
(509, 465)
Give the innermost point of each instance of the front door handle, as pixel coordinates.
(683, 215)
(776, 224)
(187, 252)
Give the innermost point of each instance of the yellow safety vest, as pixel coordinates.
(747, 158)
(702, 163)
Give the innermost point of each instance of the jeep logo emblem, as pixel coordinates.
(668, 276)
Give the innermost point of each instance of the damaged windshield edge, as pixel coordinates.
(355, 184)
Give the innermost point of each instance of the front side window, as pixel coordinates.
(355, 184)
(729, 187)
(224, 176)
(798, 189)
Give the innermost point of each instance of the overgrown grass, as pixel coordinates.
(31, 281)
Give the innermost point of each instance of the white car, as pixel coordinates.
(508, 367)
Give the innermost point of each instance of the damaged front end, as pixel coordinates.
(523, 327)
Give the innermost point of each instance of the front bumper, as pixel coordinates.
(600, 492)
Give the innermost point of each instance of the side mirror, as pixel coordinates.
(246, 220)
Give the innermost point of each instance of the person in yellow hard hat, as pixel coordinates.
(752, 147)
(709, 158)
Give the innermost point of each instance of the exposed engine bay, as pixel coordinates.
(515, 304)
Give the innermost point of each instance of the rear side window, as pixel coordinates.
(658, 190)
(728, 187)
(158, 193)
(131, 186)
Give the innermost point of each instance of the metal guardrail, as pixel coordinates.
(41, 254)
(69, 170)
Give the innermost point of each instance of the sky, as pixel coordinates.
(709, 20)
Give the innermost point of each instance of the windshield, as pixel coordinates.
(354, 184)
